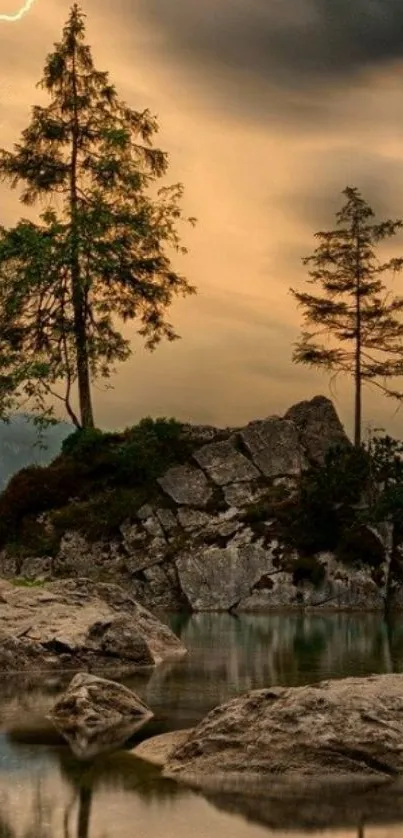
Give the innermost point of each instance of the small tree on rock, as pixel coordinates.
(357, 326)
(100, 254)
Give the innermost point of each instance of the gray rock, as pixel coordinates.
(216, 579)
(167, 519)
(350, 727)
(319, 427)
(95, 715)
(186, 485)
(224, 464)
(79, 624)
(193, 519)
(274, 446)
(242, 494)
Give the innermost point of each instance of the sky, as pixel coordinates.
(268, 110)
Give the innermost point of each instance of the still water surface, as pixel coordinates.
(46, 793)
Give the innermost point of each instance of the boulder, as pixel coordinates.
(351, 727)
(186, 485)
(95, 715)
(224, 464)
(79, 624)
(274, 446)
(319, 427)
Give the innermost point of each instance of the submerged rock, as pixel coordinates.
(333, 729)
(95, 715)
(78, 624)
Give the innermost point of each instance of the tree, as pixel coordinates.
(359, 318)
(100, 253)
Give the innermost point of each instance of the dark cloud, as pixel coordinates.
(288, 44)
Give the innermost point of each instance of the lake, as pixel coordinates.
(46, 793)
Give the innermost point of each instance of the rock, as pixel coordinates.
(96, 715)
(351, 727)
(243, 494)
(224, 464)
(193, 519)
(274, 446)
(186, 485)
(158, 749)
(167, 519)
(216, 579)
(319, 427)
(79, 624)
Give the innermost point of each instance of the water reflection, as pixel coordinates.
(45, 792)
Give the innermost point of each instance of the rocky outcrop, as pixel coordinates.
(208, 539)
(96, 715)
(350, 727)
(319, 427)
(76, 624)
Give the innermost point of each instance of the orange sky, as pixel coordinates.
(266, 119)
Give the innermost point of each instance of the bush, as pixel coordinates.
(150, 448)
(100, 517)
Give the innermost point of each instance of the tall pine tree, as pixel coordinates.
(357, 326)
(101, 252)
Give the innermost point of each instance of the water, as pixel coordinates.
(46, 793)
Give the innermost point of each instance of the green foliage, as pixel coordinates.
(355, 326)
(101, 516)
(101, 252)
(149, 449)
(327, 501)
(98, 481)
(84, 442)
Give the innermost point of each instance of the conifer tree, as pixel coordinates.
(356, 324)
(101, 253)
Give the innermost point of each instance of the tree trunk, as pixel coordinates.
(78, 294)
(357, 365)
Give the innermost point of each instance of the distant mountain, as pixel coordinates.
(19, 445)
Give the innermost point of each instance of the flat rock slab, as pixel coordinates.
(186, 485)
(96, 715)
(274, 446)
(349, 727)
(79, 624)
(224, 464)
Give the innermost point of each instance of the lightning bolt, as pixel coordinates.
(17, 15)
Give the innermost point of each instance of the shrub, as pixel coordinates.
(100, 517)
(148, 449)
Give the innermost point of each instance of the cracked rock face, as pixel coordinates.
(186, 485)
(274, 447)
(351, 727)
(215, 579)
(224, 464)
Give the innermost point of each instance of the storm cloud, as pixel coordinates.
(292, 44)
